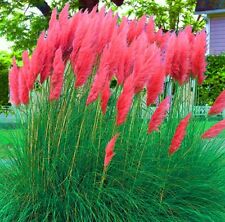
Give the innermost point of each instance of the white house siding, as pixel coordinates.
(217, 34)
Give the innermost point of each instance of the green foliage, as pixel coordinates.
(21, 22)
(215, 80)
(56, 172)
(172, 15)
(5, 62)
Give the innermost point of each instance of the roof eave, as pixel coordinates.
(208, 12)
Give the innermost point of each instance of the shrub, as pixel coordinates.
(5, 62)
(215, 80)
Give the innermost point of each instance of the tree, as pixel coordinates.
(174, 14)
(22, 21)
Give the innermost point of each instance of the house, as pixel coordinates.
(215, 14)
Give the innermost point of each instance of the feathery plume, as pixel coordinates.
(214, 130)
(56, 82)
(147, 61)
(155, 85)
(150, 30)
(100, 77)
(64, 15)
(26, 69)
(109, 150)
(37, 59)
(124, 101)
(159, 115)
(219, 104)
(198, 56)
(179, 134)
(106, 93)
(180, 61)
(13, 84)
(170, 53)
(23, 89)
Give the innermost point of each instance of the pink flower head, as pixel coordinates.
(180, 61)
(214, 130)
(52, 44)
(179, 134)
(124, 101)
(37, 59)
(107, 27)
(86, 56)
(64, 15)
(23, 86)
(106, 93)
(188, 31)
(159, 115)
(57, 76)
(155, 85)
(68, 33)
(150, 30)
(100, 77)
(147, 61)
(109, 150)
(27, 71)
(53, 19)
(219, 105)
(170, 53)
(14, 84)
(198, 56)
(82, 27)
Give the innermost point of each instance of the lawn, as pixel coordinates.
(5, 135)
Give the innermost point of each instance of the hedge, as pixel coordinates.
(5, 62)
(215, 80)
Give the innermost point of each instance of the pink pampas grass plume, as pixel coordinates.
(101, 76)
(198, 56)
(98, 85)
(214, 130)
(124, 101)
(81, 30)
(219, 104)
(27, 71)
(56, 81)
(150, 30)
(155, 85)
(23, 88)
(170, 53)
(106, 93)
(53, 18)
(109, 150)
(86, 56)
(179, 134)
(38, 56)
(83, 65)
(180, 61)
(146, 63)
(14, 84)
(107, 25)
(64, 15)
(159, 115)
(52, 44)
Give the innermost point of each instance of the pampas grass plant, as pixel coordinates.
(57, 172)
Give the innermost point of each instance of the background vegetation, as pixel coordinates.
(215, 80)
(5, 61)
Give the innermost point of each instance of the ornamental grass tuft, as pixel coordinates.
(90, 147)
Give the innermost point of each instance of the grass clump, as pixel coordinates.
(62, 166)
(56, 172)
